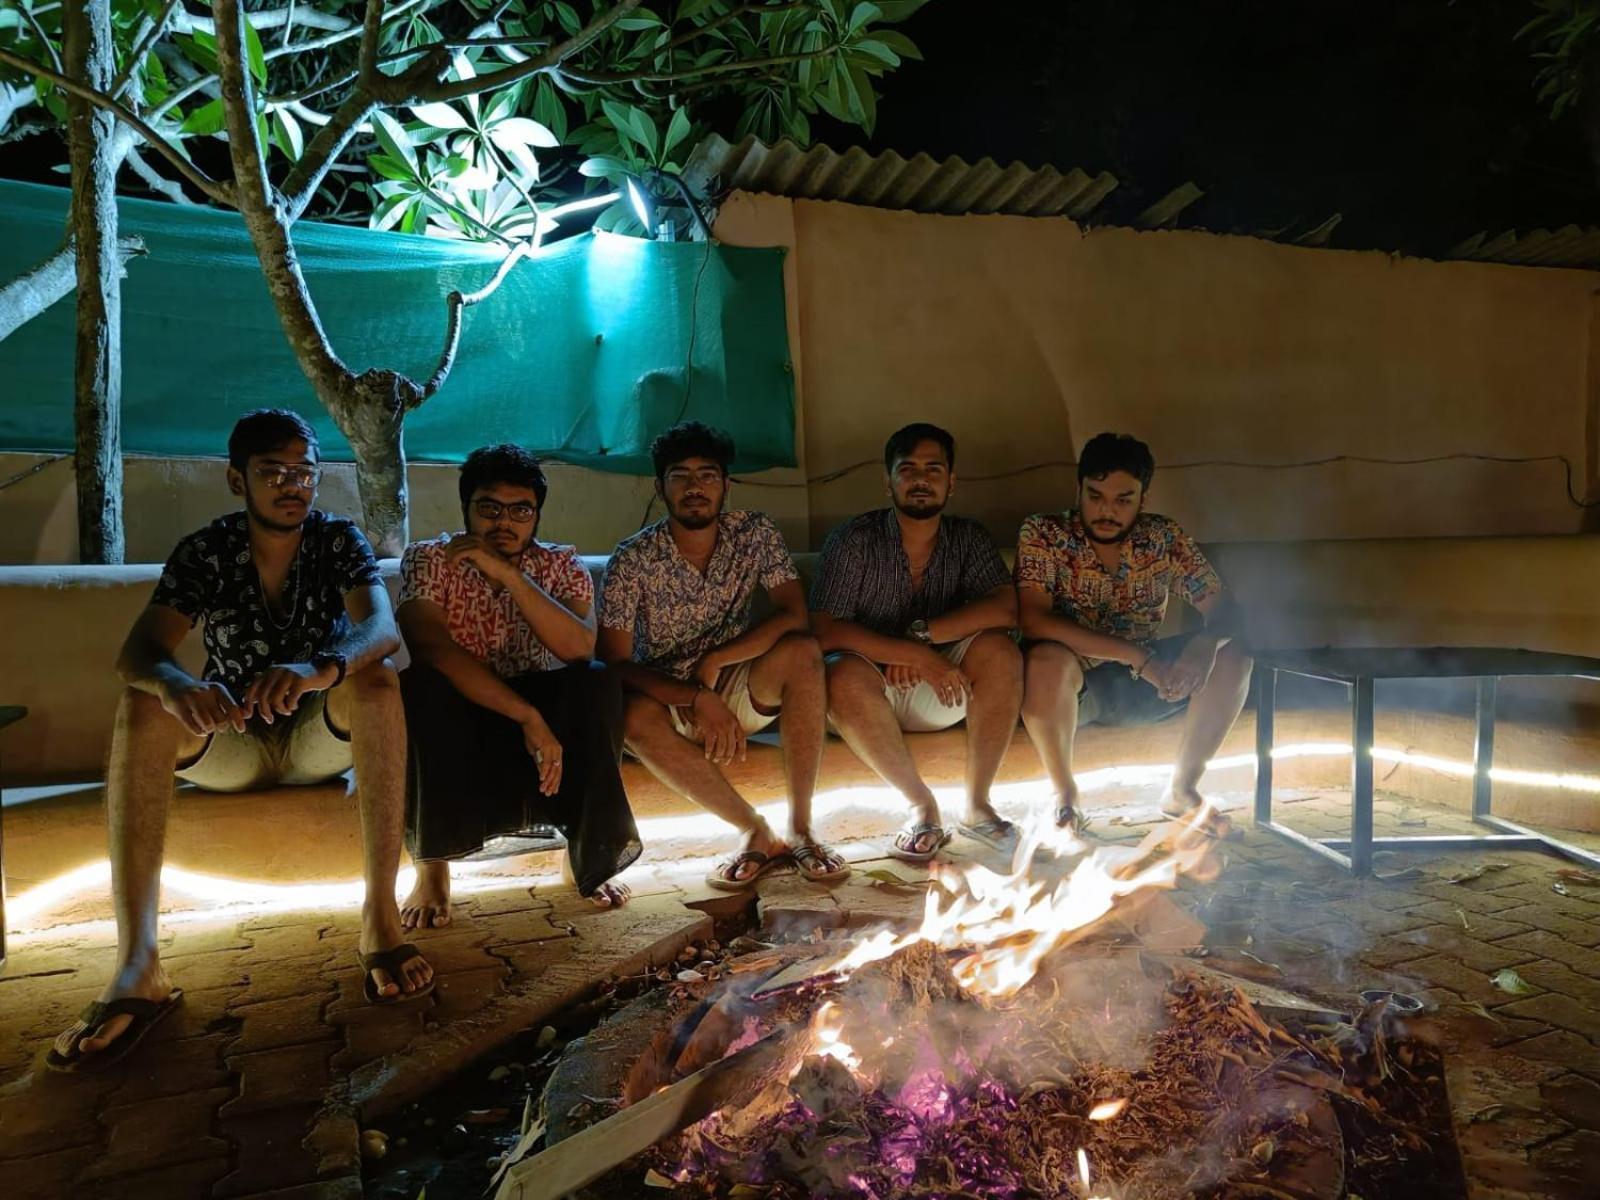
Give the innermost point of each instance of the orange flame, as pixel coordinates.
(1107, 1109)
(1010, 922)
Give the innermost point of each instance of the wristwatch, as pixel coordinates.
(326, 658)
(919, 629)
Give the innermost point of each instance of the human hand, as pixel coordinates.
(546, 752)
(276, 691)
(469, 548)
(949, 681)
(723, 735)
(1193, 668)
(203, 707)
(901, 676)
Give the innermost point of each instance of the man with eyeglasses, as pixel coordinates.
(675, 623)
(514, 730)
(297, 687)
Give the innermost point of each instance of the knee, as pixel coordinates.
(374, 679)
(1049, 668)
(1234, 663)
(801, 651)
(993, 658)
(850, 678)
(140, 708)
(643, 719)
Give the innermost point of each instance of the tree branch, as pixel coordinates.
(549, 60)
(341, 35)
(602, 78)
(733, 14)
(306, 176)
(371, 30)
(33, 26)
(152, 33)
(271, 18)
(154, 180)
(458, 303)
(222, 193)
(30, 294)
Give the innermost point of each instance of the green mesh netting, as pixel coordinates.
(584, 353)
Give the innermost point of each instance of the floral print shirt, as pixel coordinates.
(677, 615)
(211, 577)
(484, 619)
(1055, 555)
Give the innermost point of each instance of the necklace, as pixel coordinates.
(291, 608)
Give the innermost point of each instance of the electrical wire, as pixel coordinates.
(33, 470)
(1331, 460)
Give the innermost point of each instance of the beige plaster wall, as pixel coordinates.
(1026, 336)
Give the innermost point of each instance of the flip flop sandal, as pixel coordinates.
(1073, 819)
(390, 961)
(814, 863)
(905, 842)
(726, 877)
(145, 1014)
(998, 834)
(604, 900)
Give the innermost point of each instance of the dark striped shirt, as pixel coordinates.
(865, 576)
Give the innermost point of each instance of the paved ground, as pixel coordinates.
(255, 1090)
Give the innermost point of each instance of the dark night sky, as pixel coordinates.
(1415, 119)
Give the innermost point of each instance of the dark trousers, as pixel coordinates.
(472, 779)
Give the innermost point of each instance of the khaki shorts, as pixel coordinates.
(733, 685)
(299, 749)
(919, 709)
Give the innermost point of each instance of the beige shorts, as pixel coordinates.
(733, 685)
(299, 749)
(919, 709)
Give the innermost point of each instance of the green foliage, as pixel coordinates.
(1566, 38)
(632, 103)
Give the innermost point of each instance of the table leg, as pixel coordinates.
(1266, 706)
(1483, 749)
(1361, 738)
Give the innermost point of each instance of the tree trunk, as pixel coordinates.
(97, 369)
(374, 425)
(29, 295)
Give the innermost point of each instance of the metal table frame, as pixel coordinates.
(1355, 852)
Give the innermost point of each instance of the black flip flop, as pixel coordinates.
(390, 961)
(725, 877)
(145, 1014)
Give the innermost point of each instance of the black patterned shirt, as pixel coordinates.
(677, 615)
(211, 577)
(865, 576)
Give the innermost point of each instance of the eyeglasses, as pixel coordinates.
(490, 510)
(278, 476)
(705, 477)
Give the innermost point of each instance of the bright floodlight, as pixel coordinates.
(640, 205)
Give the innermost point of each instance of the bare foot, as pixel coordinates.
(381, 930)
(147, 981)
(611, 894)
(1186, 802)
(428, 905)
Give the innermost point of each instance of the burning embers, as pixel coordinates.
(995, 1051)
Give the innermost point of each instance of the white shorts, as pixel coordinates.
(298, 749)
(919, 709)
(733, 685)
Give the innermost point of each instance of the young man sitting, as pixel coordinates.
(1093, 585)
(297, 687)
(513, 729)
(915, 609)
(675, 624)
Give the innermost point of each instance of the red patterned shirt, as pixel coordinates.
(1055, 555)
(484, 620)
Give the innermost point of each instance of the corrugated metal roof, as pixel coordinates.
(1569, 246)
(950, 186)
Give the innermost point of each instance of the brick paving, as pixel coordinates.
(259, 1087)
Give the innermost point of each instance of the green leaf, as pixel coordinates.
(876, 49)
(525, 132)
(641, 19)
(289, 138)
(677, 130)
(393, 138)
(205, 120)
(200, 49)
(549, 111)
(1509, 981)
(603, 167)
(568, 16)
(257, 56)
(645, 130)
(690, 9)
(440, 116)
(898, 42)
(391, 168)
(862, 15)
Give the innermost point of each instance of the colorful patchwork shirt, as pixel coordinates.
(1055, 555)
(677, 615)
(483, 619)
